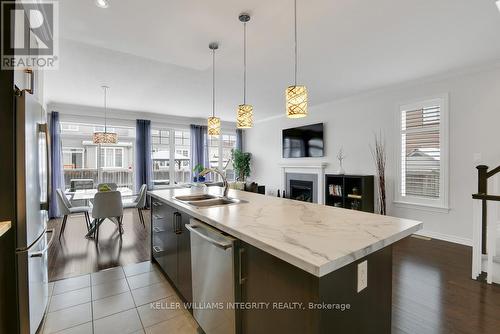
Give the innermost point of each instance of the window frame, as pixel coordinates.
(440, 204)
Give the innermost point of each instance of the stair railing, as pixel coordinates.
(484, 224)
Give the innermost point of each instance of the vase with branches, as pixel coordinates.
(380, 158)
(341, 157)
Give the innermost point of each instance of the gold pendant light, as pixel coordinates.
(213, 122)
(296, 95)
(244, 118)
(105, 137)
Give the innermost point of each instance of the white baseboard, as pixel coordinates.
(445, 237)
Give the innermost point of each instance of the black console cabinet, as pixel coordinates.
(354, 192)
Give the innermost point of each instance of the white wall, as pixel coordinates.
(474, 107)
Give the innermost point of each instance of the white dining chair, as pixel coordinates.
(107, 204)
(67, 209)
(138, 203)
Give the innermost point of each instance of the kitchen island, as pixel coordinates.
(307, 268)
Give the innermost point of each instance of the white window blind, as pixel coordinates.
(421, 152)
(423, 162)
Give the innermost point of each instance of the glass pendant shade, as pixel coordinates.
(245, 116)
(105, 138)
(296, 101)
(213, 126)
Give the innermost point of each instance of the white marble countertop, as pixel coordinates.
(316, 238)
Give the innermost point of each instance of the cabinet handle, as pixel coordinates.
(157, 249)
(241, 278)
(177, 224)
(174, 220)
(155, 203)
(157, 217)
(29, 71)
(156, 229)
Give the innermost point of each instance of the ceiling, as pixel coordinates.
(154, 54)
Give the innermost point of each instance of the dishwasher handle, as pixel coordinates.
(202, 233)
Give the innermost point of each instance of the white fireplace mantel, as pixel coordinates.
(317, 168)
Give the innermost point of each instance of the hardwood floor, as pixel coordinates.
(432, 288)
(74, 255)
(434, 293)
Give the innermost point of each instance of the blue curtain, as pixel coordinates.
(239, 139)
(57, 177)
(143, 163)
(199, 150)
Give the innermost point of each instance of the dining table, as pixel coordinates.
(88, 194)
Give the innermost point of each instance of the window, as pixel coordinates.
(73, 158)
(69, 127)
(171, 168)
(182, 138)
(161, 137)
(228, 144)
(112, 157)
(213, 151)
(160, 145)
(83, 160)
(423, 164)
(182, 146)
(219, 153)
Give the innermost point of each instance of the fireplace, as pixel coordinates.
(301, 190)
(302, 186)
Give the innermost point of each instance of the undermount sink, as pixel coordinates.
(215, 202)
(190, 198)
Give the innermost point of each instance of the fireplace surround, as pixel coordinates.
(312, 173)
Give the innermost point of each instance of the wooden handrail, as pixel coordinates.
(493, 172)
(486, 197)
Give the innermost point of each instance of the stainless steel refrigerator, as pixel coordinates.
(32, 201)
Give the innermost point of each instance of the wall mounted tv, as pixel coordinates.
(303, 142)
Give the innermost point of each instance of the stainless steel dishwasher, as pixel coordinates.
(213, 262)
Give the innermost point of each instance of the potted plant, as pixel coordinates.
(241, 164)
(197, 170)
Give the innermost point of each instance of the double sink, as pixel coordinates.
(206, 200)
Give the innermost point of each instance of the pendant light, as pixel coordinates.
(213, 122)
(105, 137)
(244, 118)
(296, 95)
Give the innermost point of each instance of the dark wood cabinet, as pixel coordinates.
(184, 282)
(337, 306)
(164, 239)
(355, 192)
(171, 246)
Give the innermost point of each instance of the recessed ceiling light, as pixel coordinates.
(102, 3)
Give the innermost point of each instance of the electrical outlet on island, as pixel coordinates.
(362, 276)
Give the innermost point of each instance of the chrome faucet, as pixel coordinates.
(224, 180)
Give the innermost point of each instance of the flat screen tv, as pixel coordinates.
(303, 142)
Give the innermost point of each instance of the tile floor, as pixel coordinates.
(131, 299)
